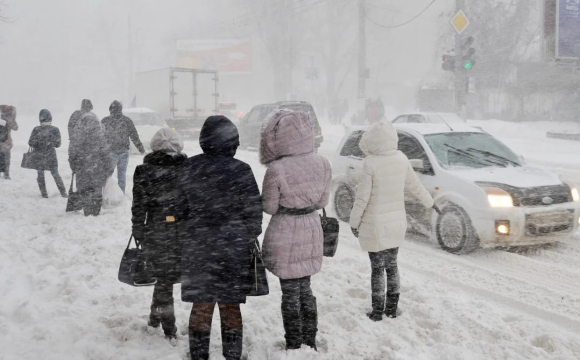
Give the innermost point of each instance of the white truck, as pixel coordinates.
(183, 97)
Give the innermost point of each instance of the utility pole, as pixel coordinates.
(362, 65)
(460, 76)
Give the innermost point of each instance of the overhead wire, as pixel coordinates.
(406, 22)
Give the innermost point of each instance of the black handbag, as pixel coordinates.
(75, 201)
(31, 160)
(135, 269)
(257, 278)
(330, 229)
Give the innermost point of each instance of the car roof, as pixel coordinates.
(425, 128)
(429, 129)
(426, 113)
(138, 110)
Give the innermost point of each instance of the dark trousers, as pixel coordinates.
(299, 312)
(92, 200)
(200, 330)
(162, 310)
(5, 162)
(57, 179)
(381, 262)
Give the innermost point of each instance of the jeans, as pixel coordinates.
(121, 161)
(381, 262)
(299, 313)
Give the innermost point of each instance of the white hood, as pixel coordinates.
(522, 177)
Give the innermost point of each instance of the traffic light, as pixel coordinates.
(312, 73)
(468, 52)
(448, 63)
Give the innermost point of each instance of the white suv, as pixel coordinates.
(488, 196)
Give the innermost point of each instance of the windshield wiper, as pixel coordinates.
(490, 154)
(469, 156)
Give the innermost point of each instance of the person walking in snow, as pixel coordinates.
(378, 217)
(86, 106)
(90, 161)
(224, 217)
(7, 125)
(44, 140)
(156, 223)
(296, 185)
(119, 129)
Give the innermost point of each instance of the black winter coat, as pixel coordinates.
(154, 199)
(224, 218)
(119, 129)
(89, 155)
(44, 139)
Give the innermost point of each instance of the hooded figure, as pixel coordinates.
(7, 124)
(296, 185)
(224, 218)
(379, 214)
(86, 106)
(119, 129)
(90, 160)
(44, 140)
(157, 222)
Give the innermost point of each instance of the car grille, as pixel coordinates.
(541, 195)
(548, 223)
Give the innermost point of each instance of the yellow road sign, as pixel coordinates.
(460, 22)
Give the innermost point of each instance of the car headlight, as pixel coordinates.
(574, 193)
(498, 198)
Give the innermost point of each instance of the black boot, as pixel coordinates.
(168, 320)
(392, 303)
(232, 343)
(309, 314)
(92, 202)
(60, 186)
(199, 344)
(42, 186)
(292, 327)
(378, 303)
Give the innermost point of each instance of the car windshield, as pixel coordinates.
(449, 118)
(303, 108)
(470, 150)
(144, 119)
(258, 115)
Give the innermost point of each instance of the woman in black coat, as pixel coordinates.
(156, 223)
(44, 140)
(224, 218)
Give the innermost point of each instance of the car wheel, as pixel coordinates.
(454, 231)
(343, 202)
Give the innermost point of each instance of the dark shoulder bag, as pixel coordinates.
(330, 229)
(31, 160)
(74, 202)
(135, 269)
(257, 278)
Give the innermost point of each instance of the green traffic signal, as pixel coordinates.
(468, 65)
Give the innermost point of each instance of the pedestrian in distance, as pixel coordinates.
(378, 217)
(7, 125)
(86, 106)
(44, 140)
(90, 161)
(119, 130)
(224, 218)
(157, 223)
(296, 185)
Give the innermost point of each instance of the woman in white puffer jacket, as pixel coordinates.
(378, 217)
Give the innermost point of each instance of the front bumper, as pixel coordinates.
(528, 225)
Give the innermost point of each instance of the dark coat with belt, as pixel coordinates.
(89, 155)
(224, 218)
(44, 139)
(154, 200)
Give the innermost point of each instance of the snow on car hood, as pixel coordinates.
(522, 177)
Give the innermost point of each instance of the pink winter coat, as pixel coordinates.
(296, 178)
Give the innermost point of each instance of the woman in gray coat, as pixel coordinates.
(296, 185)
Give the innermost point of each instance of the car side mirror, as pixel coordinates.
(417, 164)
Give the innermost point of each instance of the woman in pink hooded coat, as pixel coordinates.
(296, 185)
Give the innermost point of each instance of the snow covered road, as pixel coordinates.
(60, 298)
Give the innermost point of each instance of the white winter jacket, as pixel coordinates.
(379, 209)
